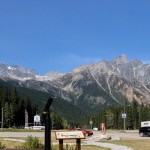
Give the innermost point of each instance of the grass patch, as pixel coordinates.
(83, 147)
(137, 144)
(10, 144)
(94, 148)
(14, 144)
(20, 130)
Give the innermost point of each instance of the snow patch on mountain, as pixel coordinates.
(50, 76)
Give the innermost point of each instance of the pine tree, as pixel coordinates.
(6, 115)
(135, 115)
(57, 121)
(28, 107)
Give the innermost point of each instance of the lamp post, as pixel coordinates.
(91, 121)
(125, 116)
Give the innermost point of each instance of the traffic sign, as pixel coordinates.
(124, 115)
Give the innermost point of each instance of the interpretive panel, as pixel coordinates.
(69, 135)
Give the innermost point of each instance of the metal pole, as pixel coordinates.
(2, 120)
(48, 125)
(47, 131)
(125, 117)
(91, 121)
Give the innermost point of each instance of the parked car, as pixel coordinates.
(144, 131)
(85, 132)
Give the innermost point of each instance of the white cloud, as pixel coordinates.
(73, 58)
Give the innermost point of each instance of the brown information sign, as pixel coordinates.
(64, 135)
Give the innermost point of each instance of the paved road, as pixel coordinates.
(21, 134)
(115, 135)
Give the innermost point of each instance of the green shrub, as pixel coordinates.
(2, 145)
(32, 143)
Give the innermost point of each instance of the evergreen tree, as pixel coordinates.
(6, 115)
(110, 118)
(28, 107)
(57, 121)
(145, 116)
(21, 111)
(4, 96)
(117, 117)
(15, 104)
(135, 115)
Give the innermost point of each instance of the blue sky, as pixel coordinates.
(60, 35)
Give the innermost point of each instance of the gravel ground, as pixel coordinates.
(115, 135)
(97, 138)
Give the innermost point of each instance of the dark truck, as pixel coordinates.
(144, 131)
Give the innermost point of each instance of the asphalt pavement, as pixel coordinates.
(93, 140)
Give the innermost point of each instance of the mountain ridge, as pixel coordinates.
(108, 82)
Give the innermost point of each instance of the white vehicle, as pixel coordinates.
(38, 127)
(145, 124)
(96, 129)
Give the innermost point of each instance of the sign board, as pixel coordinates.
(36, 118)
(124, 115)
(91, 122)
(64, 135)
(145, 124)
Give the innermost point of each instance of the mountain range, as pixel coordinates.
(90, 86)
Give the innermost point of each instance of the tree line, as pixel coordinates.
(113, 116)
(13, 106)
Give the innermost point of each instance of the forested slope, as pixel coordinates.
(17, 99)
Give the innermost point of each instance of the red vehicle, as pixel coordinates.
(85, 132)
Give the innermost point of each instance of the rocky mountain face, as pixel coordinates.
(131, 70)
(17, 72)
(108, 82)
(103, 83)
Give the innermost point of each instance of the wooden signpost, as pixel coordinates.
(68, 135)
